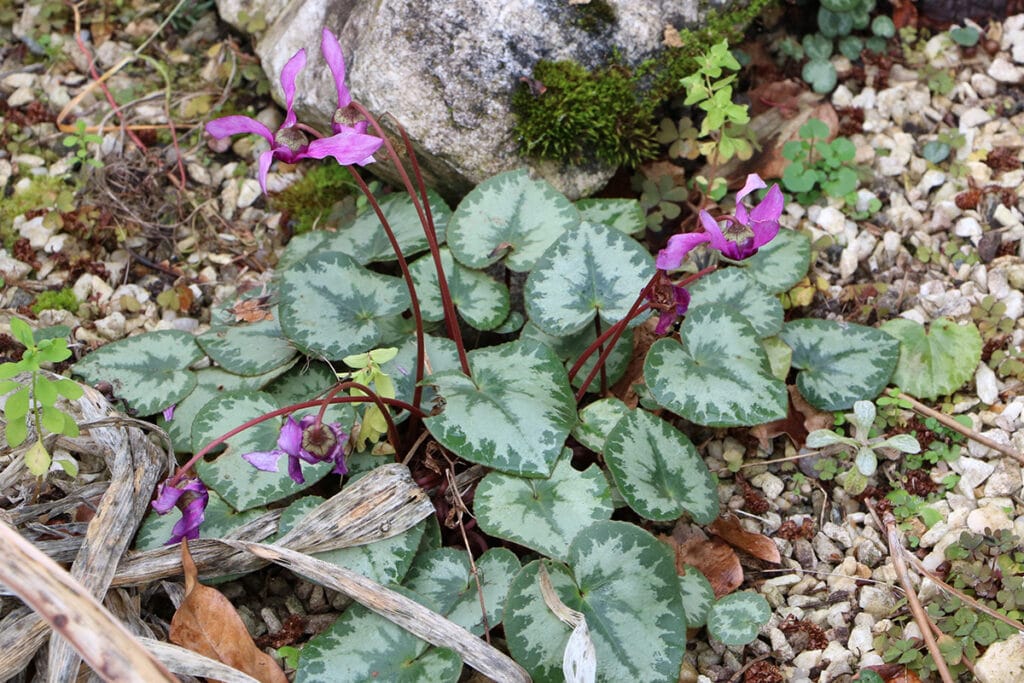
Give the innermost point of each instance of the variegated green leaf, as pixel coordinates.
(149, 371)
(596, 420)
(512, 324)
(481, 300)
(625, 215)
(624, 582)
(219, 519)
(840, 363)
(513, 414)
(736, 618)
(543, 514)
(658, 471)
(238, 482)
(365, 240)
(303, 382)
(248, 348)
(570, 348)
(364, 646)
(441, 356)
(719, 376)
(781, 263)
(592, 270)
(734, 289)
(509, 216)
(444, 576)
(331, 306)
(936, 361)
(698, 595)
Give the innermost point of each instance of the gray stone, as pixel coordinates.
(1002, 661)
(1005, 480)
(991, 517)
(877, 601)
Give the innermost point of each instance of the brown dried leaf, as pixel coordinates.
(714, 558)
(643, 338)
(252, 310)
(207, 623)
(728, 528)
(801, 419)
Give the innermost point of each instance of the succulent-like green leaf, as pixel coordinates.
(249, 348)
(736, 618)
(509, 216)
(596, 420)
(624, 582)
(238, 482)
(698, 595)
(840, 362)
(149, 371)
(592, 270)
(543, 514)
(625, 215)
(719, 376)
(332, 306)
(513, 414)
(781, 263)
(735, 289)
(658, 471)
(570, 348)
(937, 361)
(481, 300)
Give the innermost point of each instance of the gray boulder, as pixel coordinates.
(446, 69)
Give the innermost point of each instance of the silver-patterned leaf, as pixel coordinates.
(625, 215)
(596, 420)
(698, 595)
(248, 348)
(480, 300)
(736, 618)
(734, 289)
(570, 348)
(781, 263)
(719, 376)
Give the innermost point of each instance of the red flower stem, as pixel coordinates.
(285, 411)
(367, 391)
(604, 370)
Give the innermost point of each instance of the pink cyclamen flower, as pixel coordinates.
(169, 412)
(746, 232)
(673, 311)
(303, 441)
(191, 497)
(290, 144)
(346, 117)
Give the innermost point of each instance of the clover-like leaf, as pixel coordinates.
(625, 215)
(840, 363)
(509, 216)
(238, 482)
(624, 582)
(596, 420)
(936, 361)
(481, 300)
(149, 371)
(513, 414)
(719, 376)
(658, 471)
(248, 349)
(543, 514)
(735, 289)
(698, 596)
(592, 270)
(331, 306)
(735, 619)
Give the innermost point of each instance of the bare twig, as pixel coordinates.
(947, 421)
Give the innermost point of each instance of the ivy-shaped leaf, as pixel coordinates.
(719, 376)
(481, 300)
(781, 263)
(658, 471)
(625, 215)
(735, 289)
(509, 216)
(698, 596)
(513, 414)
(596, 420)
(840, 363)
(303, 382)
(592, 270)
(248, 349)
(331, 306)
(736, 618)
(570, 348)
(543, 514)
(149, 371)
(936, 361)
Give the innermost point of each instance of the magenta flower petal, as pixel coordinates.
(236, 125)
(166, 498)
(192, 516)
(764, 219)
(295, 470)
(169, 412)
(266, 159)
(753, 184)
(288, 74)
(671, 257)
(335, 58)
(714, 234)
(346, 148)
(290, 440)
(191, 497)
(265, 461)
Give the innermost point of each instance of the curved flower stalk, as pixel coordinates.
(349, 145)
(188, 495)
(304, 441)
(746, 232)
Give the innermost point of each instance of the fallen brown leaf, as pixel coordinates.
(252, 310)
(727, 527)
(893, 673)
(714, 558)
(207, 623)
(801, 419)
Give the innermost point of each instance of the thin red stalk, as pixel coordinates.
(615, 330)
(604, 370)
(342, 386)
(619, 328)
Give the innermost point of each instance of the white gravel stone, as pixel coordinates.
(988, 517)
(1005, 480)
(33, 230)
(973, 473)
(1005, 71)
(974, 117)
(112, 327)
(984, 85)
(986, 384)
(1002, 662)
(21, 97)
(21, 79)
(248, 193)
(877, 601)
(771, 485)
(29, 160)
(831, 220)
(861, 640)
(968, 226)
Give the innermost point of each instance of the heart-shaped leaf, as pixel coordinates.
(513, 414)
(441, 356)
(625, 215)
(781, 263)
(149, 371)
(332, 307)
(543, 514)
(570, 348)
(302, 382)
(698, 595)
(239, 483)
(658, 471)
(591, 270)
(481, 300)
(841, 362)
(597, 420)
(249, 349)
(936, 361)
(719, 376)
(511, 216)
(736, 618)
(735, 289)
(624, 582)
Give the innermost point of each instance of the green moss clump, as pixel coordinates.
(610, 114)
(310, 199)
(42, 192)
(594, 15)
(63, 299)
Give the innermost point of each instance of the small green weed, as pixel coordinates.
(818, 166)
